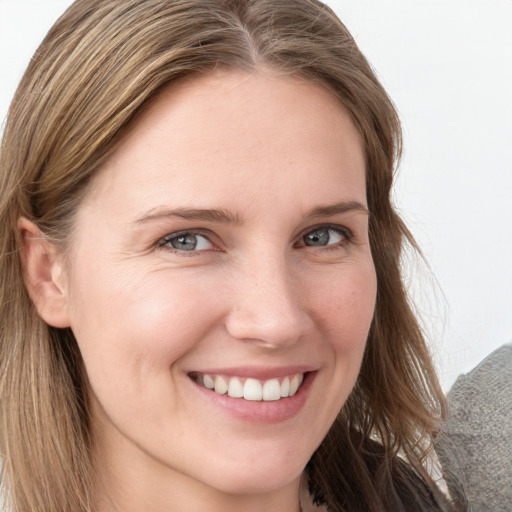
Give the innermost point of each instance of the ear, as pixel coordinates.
(44, 275)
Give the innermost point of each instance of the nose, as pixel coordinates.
(268, 304)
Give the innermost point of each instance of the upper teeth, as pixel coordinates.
(252, 389)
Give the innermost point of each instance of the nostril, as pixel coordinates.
(268, 332)
(271, 325)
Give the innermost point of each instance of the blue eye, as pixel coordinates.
(186, 241)
(324, 236)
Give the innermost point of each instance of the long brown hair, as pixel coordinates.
(102, 63)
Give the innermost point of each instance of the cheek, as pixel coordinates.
(344, 306)
(131, 326)
(349, 310)
(347, 305)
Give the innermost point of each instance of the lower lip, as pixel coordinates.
(260, 411)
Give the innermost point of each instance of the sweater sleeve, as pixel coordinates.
(477, 437)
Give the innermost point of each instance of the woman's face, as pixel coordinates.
(224, 244)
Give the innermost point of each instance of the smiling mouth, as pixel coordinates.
(251, 389)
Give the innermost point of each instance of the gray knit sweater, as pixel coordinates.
(478, 441)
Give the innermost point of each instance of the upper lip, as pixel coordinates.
(257, 372)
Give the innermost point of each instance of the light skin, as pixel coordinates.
(263, 178)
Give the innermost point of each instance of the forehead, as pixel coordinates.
(233, 131)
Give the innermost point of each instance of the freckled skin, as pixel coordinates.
(268, 150)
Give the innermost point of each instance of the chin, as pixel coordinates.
(261, 477)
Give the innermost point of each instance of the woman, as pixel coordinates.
(196, 196)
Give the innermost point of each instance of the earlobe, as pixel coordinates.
(44, 275)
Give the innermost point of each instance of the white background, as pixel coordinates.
(447, 64)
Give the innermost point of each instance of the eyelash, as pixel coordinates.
(341, 230)
(162, 243)
(348, 236)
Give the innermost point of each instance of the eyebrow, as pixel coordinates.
(210, 215)
(227, 217)
(338, 208)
